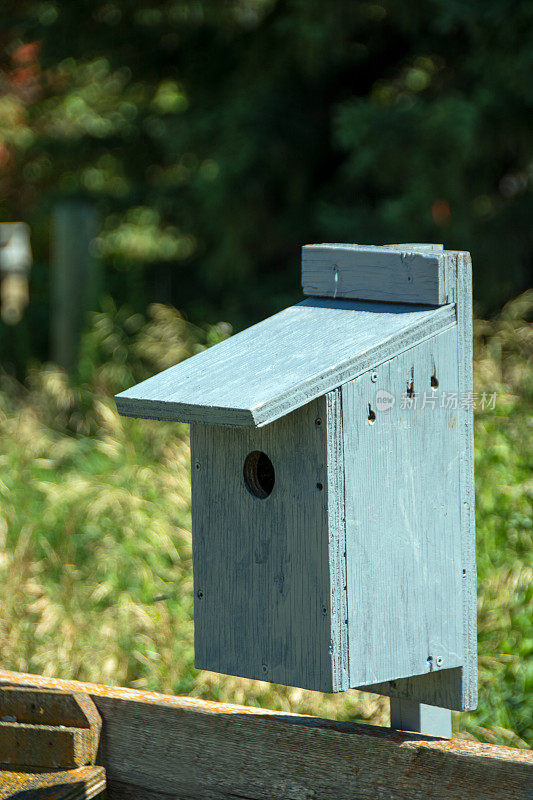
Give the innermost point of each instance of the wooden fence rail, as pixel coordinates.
(162, 748)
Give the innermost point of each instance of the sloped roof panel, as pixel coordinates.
(282, 363)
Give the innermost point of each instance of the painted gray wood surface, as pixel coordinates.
(161, 748)
(408, 273)
(463, 271)
(335, 500)
(417, 247)
(263, 567)
(379, 546)
(400, 605)
(402, 518)
(444, 687)
(278, 365)
(406, 715)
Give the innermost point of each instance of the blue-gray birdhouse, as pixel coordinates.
(332, 480)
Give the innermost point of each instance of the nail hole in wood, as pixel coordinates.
(371, 415)
(259, 475)
(434, 382)
(319, 487)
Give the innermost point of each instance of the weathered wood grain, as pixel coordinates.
(269, 573)
(402, 517)
(442, 688)
(171, 747)
(409, 273)
(336, 504)
(425, 247)
(282, 363)
(56, 730)
(463, 277)
(83, 783)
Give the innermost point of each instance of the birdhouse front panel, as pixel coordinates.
(266, 539)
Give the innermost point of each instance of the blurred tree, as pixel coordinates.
(218, 136)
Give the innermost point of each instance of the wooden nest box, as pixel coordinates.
(332, 480)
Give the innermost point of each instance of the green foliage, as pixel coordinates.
(504, 498)
(95, 544)
(217, 136)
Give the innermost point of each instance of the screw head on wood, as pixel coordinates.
(374, 377)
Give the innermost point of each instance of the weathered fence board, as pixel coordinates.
(159, 747)
(83, 783)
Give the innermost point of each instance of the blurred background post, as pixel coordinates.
(74, 277)
(15, 264)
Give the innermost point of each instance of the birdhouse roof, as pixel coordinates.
(282, 363)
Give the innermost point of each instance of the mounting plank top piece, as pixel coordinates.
(410, 273)
(282, 363)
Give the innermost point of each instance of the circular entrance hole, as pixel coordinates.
(258, 473)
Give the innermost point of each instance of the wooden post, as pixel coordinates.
(74, 276)
(406, 715)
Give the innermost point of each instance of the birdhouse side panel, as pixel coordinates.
(261, 555)
(402, 455)
(456, 688)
